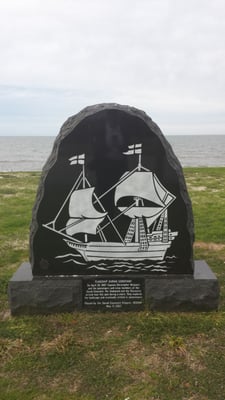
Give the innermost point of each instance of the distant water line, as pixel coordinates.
(29, 153)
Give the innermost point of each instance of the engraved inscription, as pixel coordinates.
(113, 294)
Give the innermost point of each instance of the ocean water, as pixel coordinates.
(24, 153)
(168, 265)
(29, 153)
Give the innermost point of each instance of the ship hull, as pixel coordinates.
(96, 251)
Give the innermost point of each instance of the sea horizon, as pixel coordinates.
(30, 153)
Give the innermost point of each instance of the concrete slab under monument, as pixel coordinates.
(44, 295)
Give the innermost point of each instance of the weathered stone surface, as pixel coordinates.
(43, 295)
(104, 135)
(29, 295)
(200, 293)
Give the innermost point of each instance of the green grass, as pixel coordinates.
(109, 356)
(206, 189)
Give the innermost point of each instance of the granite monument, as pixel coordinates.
(112, 225)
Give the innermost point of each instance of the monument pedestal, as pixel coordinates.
(43, 295)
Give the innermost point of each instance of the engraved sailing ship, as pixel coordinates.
(148, 235)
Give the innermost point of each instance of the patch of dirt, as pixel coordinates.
(143, 364)
(59, 343)
(16, 244)
(5, 315)
(114, 332)
(5, 196)
(198, 188)
(72, 383)
(10, 348)
(196, 397)
(209, 246)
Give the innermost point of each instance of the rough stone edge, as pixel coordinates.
(171, 293)
(198, 294)
(70, 124)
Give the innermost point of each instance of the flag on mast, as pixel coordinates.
(134, 149)
(79, 159)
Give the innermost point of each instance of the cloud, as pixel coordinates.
(165, 56)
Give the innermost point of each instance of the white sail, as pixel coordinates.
(78, 225)
(163, 193)
(144, 185)
(141, 184)
(147, 212)
(84, 218)
(151, 220)
(81, 205)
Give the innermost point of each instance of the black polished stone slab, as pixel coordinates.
(112, 200)
(36, 295)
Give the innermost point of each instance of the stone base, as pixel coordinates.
(43, 295)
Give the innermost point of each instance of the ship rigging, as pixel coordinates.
(148, 235)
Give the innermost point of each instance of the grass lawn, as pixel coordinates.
(124, 356)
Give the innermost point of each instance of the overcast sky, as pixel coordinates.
(166, 57)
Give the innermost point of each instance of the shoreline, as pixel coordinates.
(39, 171)
(30, 153)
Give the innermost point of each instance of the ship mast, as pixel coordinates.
(83, 184)
(136, 237)
(136, 226)
(139, 162)
(136, 149)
